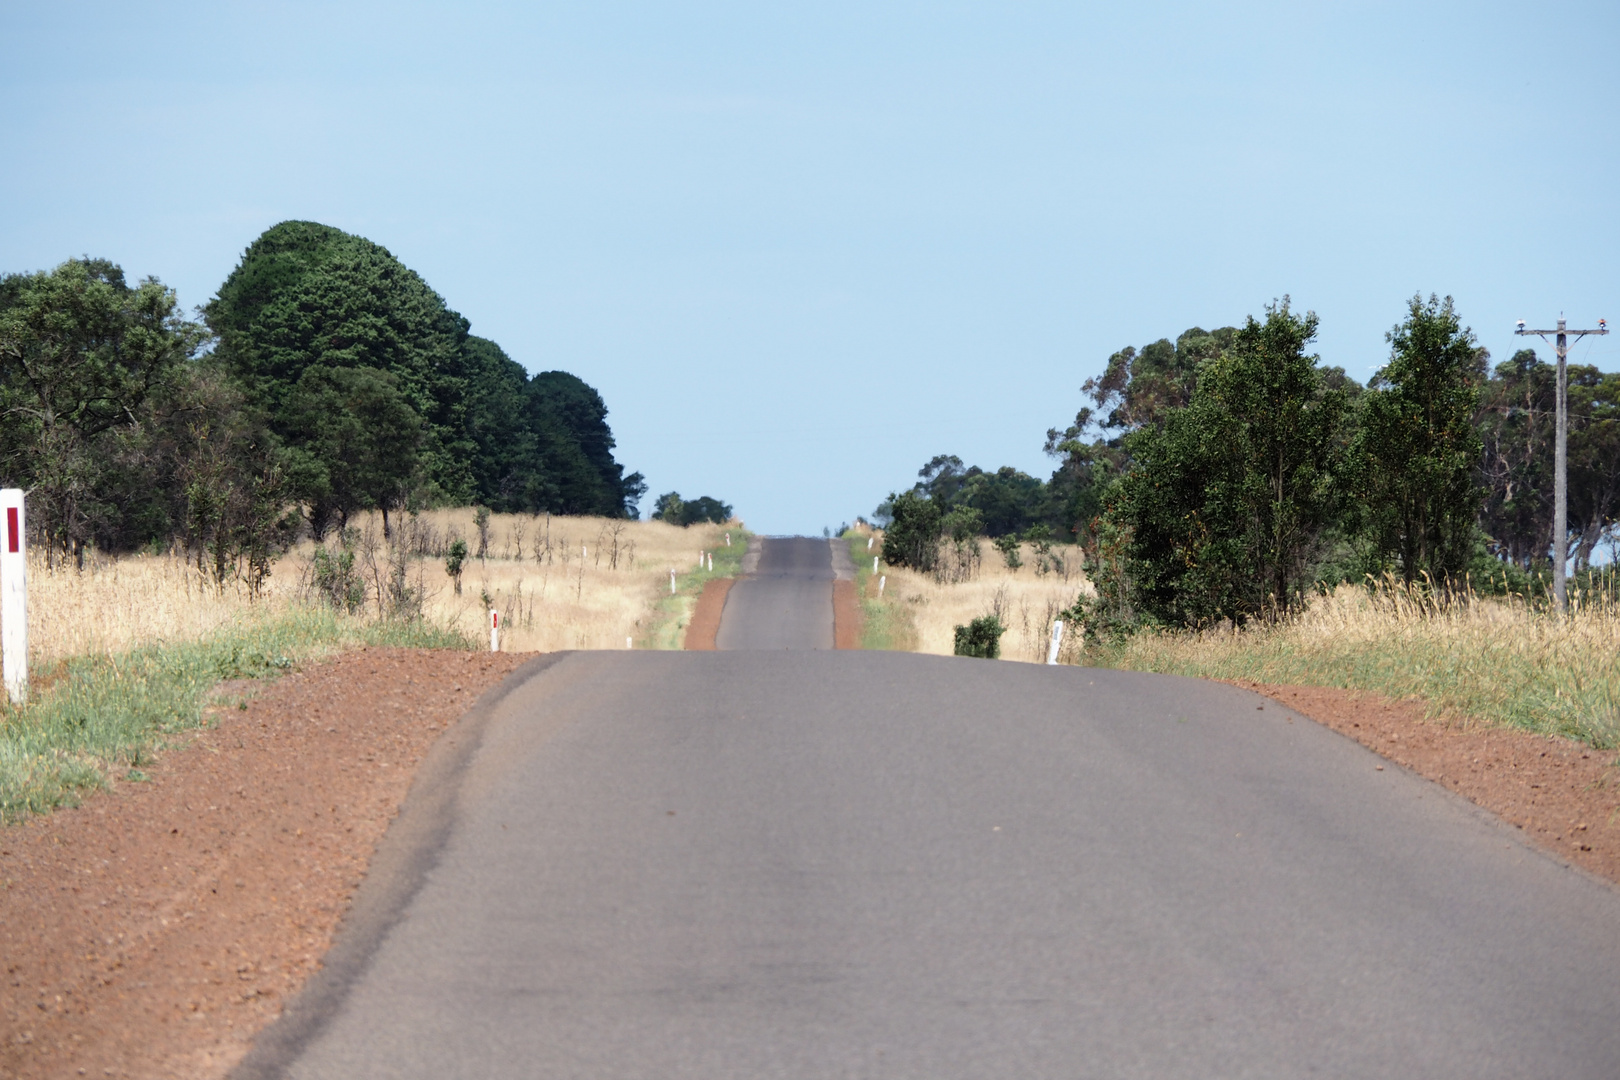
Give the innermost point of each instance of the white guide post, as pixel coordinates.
(14, 594)
(874, 564)
(728, 539)
(711, 562)
(882, 581)
(672, 581)
(700, 560)
(868, 543)
(494, 630)
(1057, 640)
(627, 643)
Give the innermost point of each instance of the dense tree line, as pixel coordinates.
(1225, 474)
(325, 378)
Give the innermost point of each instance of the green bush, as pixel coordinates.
(912, 538)
(981, 638)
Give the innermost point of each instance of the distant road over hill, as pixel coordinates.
(817, 864)
(786, 602)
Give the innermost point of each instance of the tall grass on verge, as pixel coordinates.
(102, 716)
(1471, 657)
(919, 612)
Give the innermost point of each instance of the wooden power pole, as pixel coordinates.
(1560, 342)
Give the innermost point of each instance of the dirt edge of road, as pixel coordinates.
(704, 628)
(159, 927)
(1563, 794)
(846, 616)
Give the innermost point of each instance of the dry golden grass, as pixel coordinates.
(559, 582)
(1470, 657)
(931, 606)
(549, 596)
(114, 605)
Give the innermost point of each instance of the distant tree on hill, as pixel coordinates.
(672, 508)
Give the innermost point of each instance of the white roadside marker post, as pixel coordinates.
(700, 560)
(627, 643)
(672, 581)
(868, 543)
(14, 595)
(728, 539)
(874, 564)
(1057, 640)
(494, 630)
(711, 562)
(882, 581)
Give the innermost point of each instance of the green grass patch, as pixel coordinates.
(668, 629)
(886, 624)
(99, 717)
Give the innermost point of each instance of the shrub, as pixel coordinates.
(1008, 546)
(981, 638)
(454, 560)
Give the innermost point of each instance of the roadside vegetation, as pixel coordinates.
(919, 611)
(97, 719)
(1240, 509)
(1467, 656)
(666, 628)
(124, 651)
(329, 457)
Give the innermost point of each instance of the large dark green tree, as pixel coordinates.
(1418, 450)
(1228, 500)
(308, 296)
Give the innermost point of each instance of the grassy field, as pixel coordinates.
(122, 654)
(920, 612)
(559, 582)
(1473, 658)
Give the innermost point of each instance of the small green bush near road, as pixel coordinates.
(106, 716)
(981, 638)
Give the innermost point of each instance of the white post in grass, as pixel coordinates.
(672, 581)
(627, 643)
(494, 630)
(1057, 640)
(711, 562)
(700, 560)
(868, 543)
(14, 594)
(882, 581)
(874, 564)
(728, 539)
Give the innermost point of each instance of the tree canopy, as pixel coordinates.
(472, 426)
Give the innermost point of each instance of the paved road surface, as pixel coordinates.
(814, 864)
(786, 603)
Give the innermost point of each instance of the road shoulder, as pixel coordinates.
(1563, 795)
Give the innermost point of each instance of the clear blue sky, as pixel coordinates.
(801, 249)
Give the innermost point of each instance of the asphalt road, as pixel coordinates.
(786, 603)
(817, 864)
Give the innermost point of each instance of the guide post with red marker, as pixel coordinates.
(494, 630)
(14, 593)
